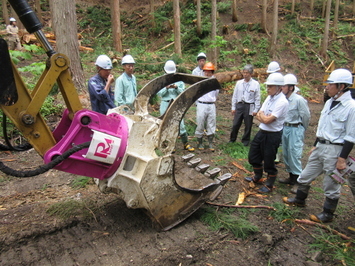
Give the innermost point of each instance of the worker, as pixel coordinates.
(99, 86)
(13, 39)
(245, 104)
(273, 67)
(126, 86)
(206, 112)
(335, 139)
(168, 94)
(296, 123)
(201, 60)
(263, 148)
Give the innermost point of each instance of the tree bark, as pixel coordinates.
(65, 28)
(311, 7)
(198, 22)
(263, 16)
(38, 10)
(5, 12)
(275, 28)
(234, 11)
(326, 30)
(353, 8)
(214, 31)
(324, 8)
(152, 10)
(177, 31)
(293, 7)
(116, 25)
(336, 15)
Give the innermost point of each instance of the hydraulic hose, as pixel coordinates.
(43, 168)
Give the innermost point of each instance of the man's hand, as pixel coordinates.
(341, 164)
(233, 112)
(110, 79)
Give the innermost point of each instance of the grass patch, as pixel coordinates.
(284, 212)
(69, 208)
(80, 182)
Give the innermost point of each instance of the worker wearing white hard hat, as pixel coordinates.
(126, 84)
(13, 38)
(273, 67)
(263, 148)
(99, 86)
(295, 125)
(201, 61)
(168, 94)
(334, 142)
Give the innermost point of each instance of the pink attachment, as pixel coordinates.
(80, 130)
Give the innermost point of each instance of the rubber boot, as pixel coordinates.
(184, 140)
(210, 142)
(327, 214)
(291, 180)
(258, 174)
(301, 195)
(295, 185)
(200, 145)
(269, 185)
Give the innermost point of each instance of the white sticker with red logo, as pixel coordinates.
(103, 147)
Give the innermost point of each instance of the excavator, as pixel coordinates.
(128, 153)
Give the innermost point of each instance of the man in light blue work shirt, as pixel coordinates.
(126, 86)
(296, 123)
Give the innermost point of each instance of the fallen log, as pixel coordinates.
(228, 76)
(241, 206)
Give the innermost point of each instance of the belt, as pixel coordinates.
(324, 141)
(167, 101)
(242, 102)
(265, 131)
(291, 125)
(206, 102)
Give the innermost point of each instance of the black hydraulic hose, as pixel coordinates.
(43, 168)
(22, 147)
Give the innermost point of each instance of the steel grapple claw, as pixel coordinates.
(150, 176)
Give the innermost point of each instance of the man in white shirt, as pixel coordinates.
(264, 146)
(201, 60)
(335, 140)
(245, 104)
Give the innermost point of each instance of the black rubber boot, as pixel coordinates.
(187, 146)
(200, 145)
(301, 195)
(327, 214)
(258, 174)
(269, 185)
(210, 142)
(291, 180)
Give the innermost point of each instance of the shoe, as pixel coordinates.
(188, 147)
(294, 189)
(246, 144)
(285, 180)
(252, 179)
(231, 141)
(294, 202)
(323, 217)
(265, 189)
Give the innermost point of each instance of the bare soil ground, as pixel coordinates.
(112, 234)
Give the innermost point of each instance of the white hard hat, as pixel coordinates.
(170, 67)
(340, 75)
(201, 56)
(273, 67)
(275, 79)
(104, 62)
(12, 19)
(128, 59)
(290, 79)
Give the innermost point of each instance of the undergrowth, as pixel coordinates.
(71, 208)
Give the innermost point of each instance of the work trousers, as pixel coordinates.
(322, 160)
(242, 112)
(206, 119)
(263, 149)
(292, 147)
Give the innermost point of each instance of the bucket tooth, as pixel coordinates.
(187, 157)
(224, 178)
(213, 172)
(202, 168)
(194, 162)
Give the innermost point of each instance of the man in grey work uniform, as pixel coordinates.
(245, 104)
(335, 139)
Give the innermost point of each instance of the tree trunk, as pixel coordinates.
(326, 30)
(293, 7)
(38, 10)
(5, 12)
(214, 31)
(336, 15)
(275, 28)
(116, 25)
(234, 11)
(263, 16)
(152, 10)
(324, 8)
(65, 28)
(353, 8)
(198, 22)
(311, 7)
(177, 40)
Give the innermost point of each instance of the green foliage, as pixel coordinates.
(35, 68)
(235, 150)
(284, 212)
(225, 220)
(50, 108)
(69, 208)
(80, 182)
(224, 7)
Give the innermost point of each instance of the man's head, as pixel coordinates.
(247, 72)
(104, 65)
(169, 67)
(12, 21)
(208, 69)
(273, 67)
(290, 84)
(201, 60)
(274, 84)
(339, 82)
(128, 64)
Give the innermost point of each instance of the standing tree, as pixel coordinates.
(38, 10)
(353, 7)
(336, 15)
(263, 16)
(5, 12)
(275, 28)
(234, 11)
(177, 32)
(311, 7)
(326, 30)
(198, 22)
(116, 25)
(214, 31)
(65, 29)
(293, 7)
